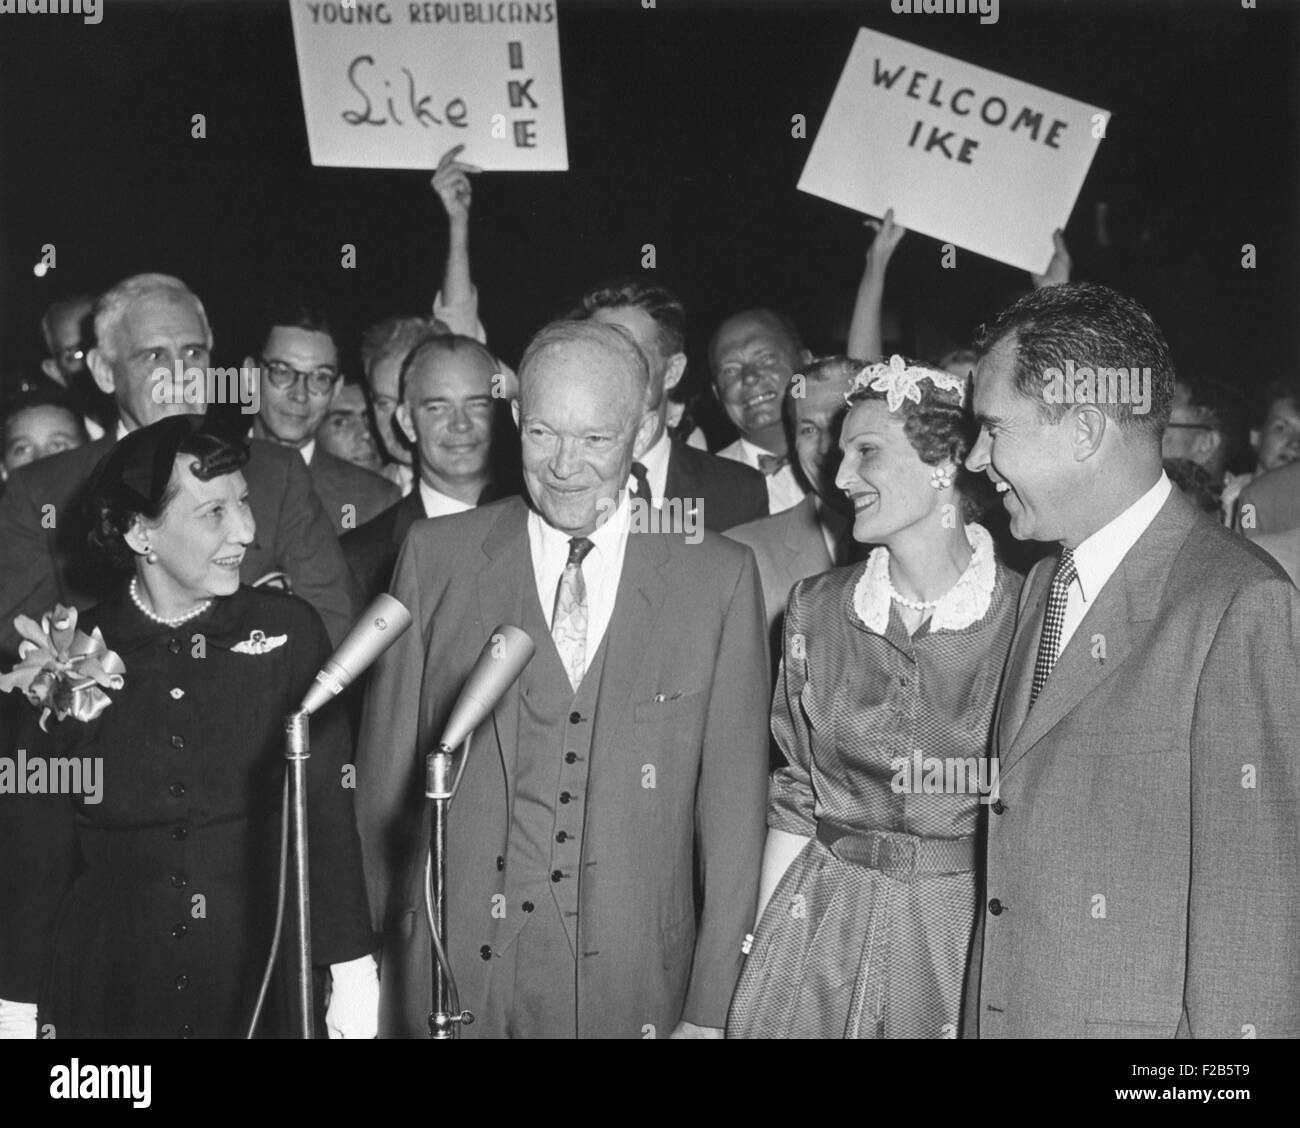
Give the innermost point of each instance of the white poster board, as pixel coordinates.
(395, 83)
(961, 153)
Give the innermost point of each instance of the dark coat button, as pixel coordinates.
(182, 981)
(485, 952)
(575, 718)
(186, 1030)
(995, 907)
(556, 875)
(179, 833)
(501, 863)
(176, 790)
(565, 796)
(528, 906)
(178, 742)
(998, 806)
(570, 757)
(562, 836)
(179, 881)
(179, 930)
(174, 646)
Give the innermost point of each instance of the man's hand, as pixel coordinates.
(1058, 270)
(451, 182)
(690, 1030)
(888, 235)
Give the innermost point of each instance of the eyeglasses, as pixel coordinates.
(319, 381)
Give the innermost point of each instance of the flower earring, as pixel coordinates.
(941, 477)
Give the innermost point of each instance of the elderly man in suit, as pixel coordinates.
(300, 380)
(727, 493)
(1143, 865)
(143, 324)
(817, 534)
(604, 844)
(450, 413)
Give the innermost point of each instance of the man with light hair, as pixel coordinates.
(627, 761)
(145, 323)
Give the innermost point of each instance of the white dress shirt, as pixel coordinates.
(307, 451)
(601, 569)
(655, 461)
(783, 488)
(1096, 558)
(438, 504)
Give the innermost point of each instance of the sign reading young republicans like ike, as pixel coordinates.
(963, 154)
(393, 83)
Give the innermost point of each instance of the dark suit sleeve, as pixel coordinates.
(307, 551)
(340, 916)
(729, 802)
(1242, 978)
(27, 582)
(390, 738)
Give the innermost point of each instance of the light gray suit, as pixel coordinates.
(1143, 874)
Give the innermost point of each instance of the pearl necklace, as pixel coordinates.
(135, 598)
(914, 604)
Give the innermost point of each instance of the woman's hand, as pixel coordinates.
(354, 1004)
(888, 235)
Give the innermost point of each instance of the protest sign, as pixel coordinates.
(393, 84)
(961, 153)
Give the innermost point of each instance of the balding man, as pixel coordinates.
(752, 357)
(146, 323)
(604, 843)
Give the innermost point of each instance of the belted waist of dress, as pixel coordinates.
(897, 854)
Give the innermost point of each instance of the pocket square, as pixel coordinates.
(258, 643)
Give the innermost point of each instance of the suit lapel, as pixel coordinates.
(805, 544)
(638, 609)
(677, 482)
(1014, 700)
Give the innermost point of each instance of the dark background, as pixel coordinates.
(679, 135)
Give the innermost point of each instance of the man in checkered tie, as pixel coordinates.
(627, 763)
(1143, 866)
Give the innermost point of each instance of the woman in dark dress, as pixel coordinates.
(883, 708)
(151, 905)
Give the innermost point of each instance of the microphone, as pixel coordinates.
(378, 628)
(500, 662)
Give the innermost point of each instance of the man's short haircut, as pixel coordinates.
(1285, 389)
(446, 344)
(838, 370)
(294, 312)
(613, 339)
(783, 322)
(657, 302)
(54, 309)
(39, 396)
(1094, 327)
(395, 336)
(1223, 408)
(113, 305)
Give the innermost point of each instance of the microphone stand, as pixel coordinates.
(446, 1017)
(297, 751)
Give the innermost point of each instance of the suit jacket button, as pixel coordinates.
(562, 836)
(556, 875)
(179, 834)
(176, 790)
(565, 796)
(998, 806)
(182, 981)
(570, 757)
(501, 863)
(174, 646)
(575, 717)
(178, 742)
(528, 906)
(179, 881)
(179, 930)
(485, 952)
(185, 1031)
(995, 907)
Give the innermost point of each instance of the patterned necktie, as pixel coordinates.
(642, 483)
(1049, 642)
(771, 464)
(569, 621)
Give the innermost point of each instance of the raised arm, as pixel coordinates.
(865, 334)
(456, 304)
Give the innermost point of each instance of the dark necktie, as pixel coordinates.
(1049, 642)
(642, 483)
(771, 464)
(569, 620)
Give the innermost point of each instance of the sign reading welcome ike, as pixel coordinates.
(960, 153)
(395, 83)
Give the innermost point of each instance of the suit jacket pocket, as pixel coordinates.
(670, 709)
(1105, 1028)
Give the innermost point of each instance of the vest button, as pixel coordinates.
(528, 906)
(995, 907)
(485, 952)
(998, 806)
(575, 718)
(570, 757)
(556, 875)
(501, 863)
(565, 796)
(562, 836)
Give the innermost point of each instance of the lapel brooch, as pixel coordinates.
(258, 643)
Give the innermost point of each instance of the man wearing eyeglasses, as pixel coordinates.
(65, 328)
(300, 379)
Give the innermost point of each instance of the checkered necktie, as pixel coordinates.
(1049, 642)
(569, 620)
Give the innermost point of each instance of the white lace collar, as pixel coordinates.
(966, 602)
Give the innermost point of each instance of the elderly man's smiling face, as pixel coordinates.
(581, 416)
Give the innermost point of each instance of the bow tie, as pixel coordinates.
(771, 464)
